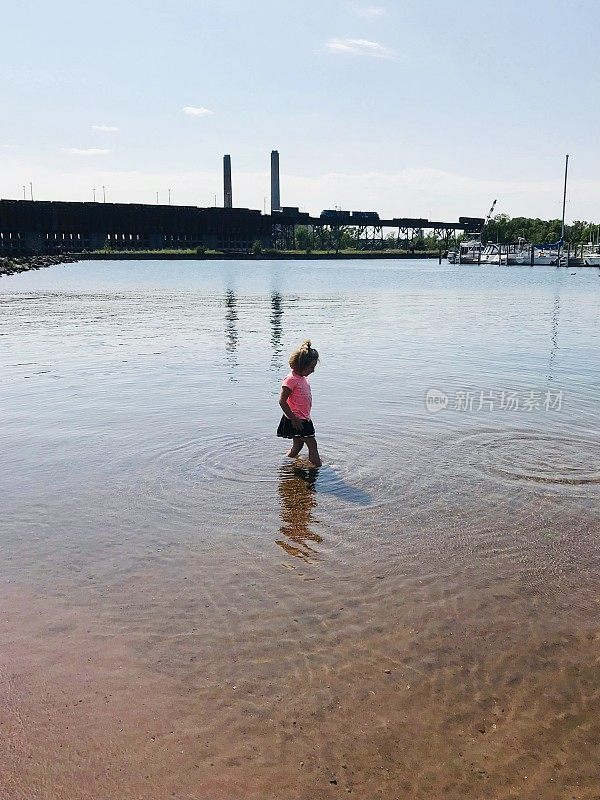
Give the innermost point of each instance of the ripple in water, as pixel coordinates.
(222, 457)
(361, 476)
(535, 457)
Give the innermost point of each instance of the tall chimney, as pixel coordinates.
(275, 198)
(228, 195)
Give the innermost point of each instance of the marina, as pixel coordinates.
(524, 254)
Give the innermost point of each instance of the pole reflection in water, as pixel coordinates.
(554, 336)
(276, 329)
(298, 501)
(231, 334)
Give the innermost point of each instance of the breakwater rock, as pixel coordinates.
(15, 264)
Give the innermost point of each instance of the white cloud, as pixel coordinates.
(194, 111)
(9, 146)
(359, 47)
(369, 12)
(89, 151)
(105, 128)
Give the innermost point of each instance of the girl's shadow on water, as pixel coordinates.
(329, 481)
(298, 488)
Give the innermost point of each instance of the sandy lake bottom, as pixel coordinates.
(186, 614)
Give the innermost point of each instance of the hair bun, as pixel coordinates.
(303, 356)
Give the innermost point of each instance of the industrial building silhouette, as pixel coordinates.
(37, 226)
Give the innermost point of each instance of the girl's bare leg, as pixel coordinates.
(298, 444)
(313, 451)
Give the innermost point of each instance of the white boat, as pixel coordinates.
(590, 255)
(541, 258)
(522, 252)
(493, 254)
(467, 253)
(505, 253)
(470, 252)
(519, 253)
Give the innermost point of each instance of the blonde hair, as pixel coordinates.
(303, 356)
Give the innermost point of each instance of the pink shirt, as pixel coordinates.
(300, 400)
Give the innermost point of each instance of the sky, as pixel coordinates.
(419, 108)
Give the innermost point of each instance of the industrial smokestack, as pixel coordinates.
(275, 198)
(228, 195)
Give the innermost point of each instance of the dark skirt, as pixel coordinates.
(287, 431)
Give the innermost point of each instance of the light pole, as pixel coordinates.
(93, 195)
(31, 189)
(104, 194)
(169, 197)
(157, 198)
(24, 196)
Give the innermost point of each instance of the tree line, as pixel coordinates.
(347, 239)
(503, 229)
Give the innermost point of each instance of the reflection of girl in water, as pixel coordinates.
(296, 403)
(298, 501)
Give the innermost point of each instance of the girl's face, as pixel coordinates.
(309, 370)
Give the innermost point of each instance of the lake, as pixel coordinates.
(187, 613)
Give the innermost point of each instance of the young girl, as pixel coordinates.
(296, 402)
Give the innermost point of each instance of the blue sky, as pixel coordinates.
(409, 108)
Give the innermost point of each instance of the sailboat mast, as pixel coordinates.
(562, 227)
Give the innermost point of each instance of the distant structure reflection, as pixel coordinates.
(554, 336)
(276, 330)
(231, 333)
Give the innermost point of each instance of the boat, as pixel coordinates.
(470, 252)
(541, 255)
(467, 253)
(493, 254)
(590, 255)
(521, 253)
(592, 260)
(503, 254)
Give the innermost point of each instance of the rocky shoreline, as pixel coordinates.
(14, 265)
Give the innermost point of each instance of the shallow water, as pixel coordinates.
(147, 505)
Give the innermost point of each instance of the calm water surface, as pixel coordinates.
(145, 491)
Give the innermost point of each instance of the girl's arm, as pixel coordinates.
(283, 402)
